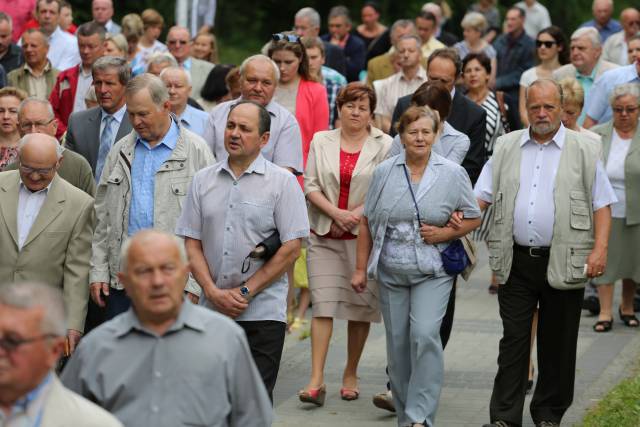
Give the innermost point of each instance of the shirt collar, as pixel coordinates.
(420, 75)
(187, 64)
(56, 33)
(434, 159)
(23, 404)
(558, 138)
(272, 107)
(259, 166)
(453, 93)
(118, 115)
(170, 139)
(46, 69)
(187, 115)
(187, 318)
(44, 190)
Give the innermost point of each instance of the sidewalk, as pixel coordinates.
(470, 367)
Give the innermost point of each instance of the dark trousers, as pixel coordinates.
(117, 302)
(266, 340)
(558, 322)
(95, 316)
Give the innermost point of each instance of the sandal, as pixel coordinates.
(629, 320)
(347, 393)
(603, 325)
(313, 395)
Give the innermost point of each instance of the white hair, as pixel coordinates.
(162, 57)
(146, 235)
(433, 8)
(632, 89)
(608, 2)
(591, 33)
(28, 137)
(181, 70)
(260, 57)
(30, 295)
(311, 14)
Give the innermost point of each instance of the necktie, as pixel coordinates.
(106, 138)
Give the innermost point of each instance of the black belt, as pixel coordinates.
(533, 251)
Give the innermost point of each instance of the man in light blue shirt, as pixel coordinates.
(598, 108)
(178, 83)
(602, 21)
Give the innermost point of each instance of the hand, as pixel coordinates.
(346, 220)
(192, 297)
(432, 234)
(456, 220)
(97, 289)
(596, 262)
(359, 281)
(227, 301)
(335, 231)
(73, 337)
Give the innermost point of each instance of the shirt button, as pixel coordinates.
(157, 374)
(224, 277)
(228, 228)
(535, 185)
(530, 241)
(154, 408)
(537, 167)
(226, 253)
(529, 222)
(531, 203)
(230, 206)
(235, 182)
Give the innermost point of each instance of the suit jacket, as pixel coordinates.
(57, 249)
(323, 172)
(20, 78)
(199, 72)
(334, 58)
(64, 408)
(466, 117)
(381, 67)
(447, 38)
(63, 95)
(83, 133)
(355, 53)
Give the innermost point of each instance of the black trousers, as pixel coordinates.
(266, 340)
(557, 337)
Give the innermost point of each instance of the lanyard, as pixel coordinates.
(413, 196)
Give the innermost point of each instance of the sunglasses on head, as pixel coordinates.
(288, 37)
(547, 44)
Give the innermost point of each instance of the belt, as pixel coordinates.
(533, 251)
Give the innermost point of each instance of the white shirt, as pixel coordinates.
(615, 172)
(85, 80)
(536, 18)
(534, 213)
(29, 204)
(394, 87)
(63, 50)
(115, 124)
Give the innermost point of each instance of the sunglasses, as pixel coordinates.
(547, 44)
(288, 37)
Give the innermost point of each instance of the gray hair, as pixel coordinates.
(591, 33)
(146, 235)
(186, 75)
(28, 137)
(113, 62)
(541, 82)
(609, 3)
(411, 37)
(311, 14)
(632, 89)
(157, 90)
(260, 57)
(402, 23)
(5, 17)
(264, 119)
(30, 295)
(340, 10)
(475, 20)
(161, 58)
(34, 100)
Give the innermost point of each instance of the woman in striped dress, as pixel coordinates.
(476, 72)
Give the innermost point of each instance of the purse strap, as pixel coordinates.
(413, 196)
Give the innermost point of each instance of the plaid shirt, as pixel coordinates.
(333, 81)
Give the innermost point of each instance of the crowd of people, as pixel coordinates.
(166, 220)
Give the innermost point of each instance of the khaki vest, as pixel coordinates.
(572, 239)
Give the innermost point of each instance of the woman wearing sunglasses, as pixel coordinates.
(551, 52)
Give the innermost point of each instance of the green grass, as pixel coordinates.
(620, 407)
(235, 53)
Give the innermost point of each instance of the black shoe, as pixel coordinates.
(498, 424)
(547, 424)
(592, 304)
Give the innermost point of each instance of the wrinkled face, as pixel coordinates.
(149, 120)
(155, 277)
(9, 115)
(369, 16)
(91, 48)
(22, 368)
(102, 11)
(35, 118)
(111, 49)
(316, 60)
(202, 47)
(242, 138)
(179, 44)
(544, 109)
(409, 53)
(630, 21)
(303, 28)
(418, 137)
(625, 113)
(109, 90)
(66, 17)
(356, 115)
(34, 49)
(602, 11)
(583, 54)
(471, 35)
(339, 27)
(546, 47)
(633, 51)
(514, 22)
(48, 16)
(425, 28)
(288, 64)
(178, 87)
(258, 83)
(442, 70)
(38, 165)
(570, 113)
(5, 36)
(475, 75)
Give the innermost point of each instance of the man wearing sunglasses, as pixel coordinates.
(46, 225)
(179, 44)
(32, 328)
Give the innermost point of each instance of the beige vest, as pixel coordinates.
(572, 239)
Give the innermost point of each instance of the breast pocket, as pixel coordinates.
(258, 214)
(178, 191)
(580, 213)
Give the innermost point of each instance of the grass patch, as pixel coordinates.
(235, 53)
(620, 407)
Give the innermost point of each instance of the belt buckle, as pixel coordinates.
(533, 250)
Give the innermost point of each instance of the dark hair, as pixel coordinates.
(264, 120)
(215, 86)
(90, 28)
(416, 112)
(355, 91)
(373, 5)
(523, 13)
(434, 95)
(425, 14)
(561, 41)
(297, 49)
(447, 53)
(482, 58)
(48, 2)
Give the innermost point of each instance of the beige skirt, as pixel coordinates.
(623, 257)
(330, 264)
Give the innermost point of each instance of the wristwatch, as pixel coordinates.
(245, 292)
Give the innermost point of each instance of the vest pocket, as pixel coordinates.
(576, 259)
(495, 254)
(498, 214)
(580, 212)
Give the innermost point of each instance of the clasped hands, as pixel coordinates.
(343, 221)
(227, 301)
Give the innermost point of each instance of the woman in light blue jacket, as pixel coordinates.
(403, 230)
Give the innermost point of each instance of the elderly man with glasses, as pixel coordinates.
(179, 44)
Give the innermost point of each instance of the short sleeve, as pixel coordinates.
(287, 152)
(602, 193)
(189, 223)
(528, 77)
(290, 213)
(598, 100)
(467, 202)
(483, 189)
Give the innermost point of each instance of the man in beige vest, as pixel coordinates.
(549, 234)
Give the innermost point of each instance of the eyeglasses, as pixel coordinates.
(288, 37)
(11, 344)
(29, 171)
(27, 126)
(178, 42)
(546, 43)
(628, 110)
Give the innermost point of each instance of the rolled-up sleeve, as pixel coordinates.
(467, 202)
(602, 193)
(190, 221)
(290, 212)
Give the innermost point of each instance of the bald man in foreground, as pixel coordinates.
(165, 361)
(46, 225)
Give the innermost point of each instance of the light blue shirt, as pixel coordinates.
(598, 107)
(607, 30)
(28, 410)
(587, 84)
(146, 162)
(195, 120)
